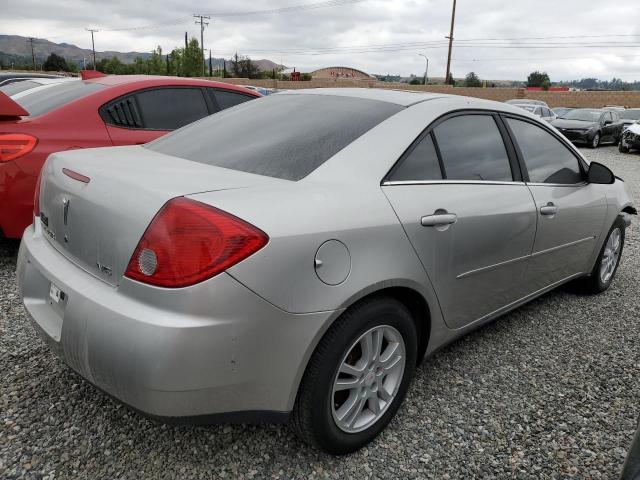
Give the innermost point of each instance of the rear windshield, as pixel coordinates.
(17, 87)
(282, 136)
(43, 101)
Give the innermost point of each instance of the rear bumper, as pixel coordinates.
(201, 351)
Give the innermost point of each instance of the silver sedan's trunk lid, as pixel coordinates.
(97, 218)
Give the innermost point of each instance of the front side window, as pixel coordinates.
(419, 164)
(472, 148)
(546, 158)
(171, 108)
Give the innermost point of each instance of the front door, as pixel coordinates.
(570, 211)
(471, 224)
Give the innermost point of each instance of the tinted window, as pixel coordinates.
(420, 163)
(17, 87)
(284, 136)
(171, 108)
(228, 99)
(546, 158)
(43, 101)
(472, 149)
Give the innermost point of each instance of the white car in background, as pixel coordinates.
(539, 111)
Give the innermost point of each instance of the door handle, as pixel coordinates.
(549, 209)
(439, 219)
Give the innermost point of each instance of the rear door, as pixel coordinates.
(570, 211)
(145, 115)
(459, 196)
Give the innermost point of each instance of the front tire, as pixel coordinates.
(357, 377)
(595, 141)
(608, 261)
(622, 148)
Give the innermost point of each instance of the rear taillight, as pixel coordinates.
(36, 197)
(188, 242)
(15, 145)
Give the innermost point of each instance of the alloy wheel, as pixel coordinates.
(596, 140)
(610, 256)
(368, 378)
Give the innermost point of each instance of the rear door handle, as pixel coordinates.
(439, 219)
(549, 209)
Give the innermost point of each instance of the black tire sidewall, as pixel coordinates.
(595, 145)
(366, 316)
(602, 286)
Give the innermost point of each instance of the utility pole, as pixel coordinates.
(210, 65)
(426, 72)
(33, 54)
(93, 46)
(186, 42)
(203, 24)
(450, 37)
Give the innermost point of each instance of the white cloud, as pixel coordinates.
(366, 23)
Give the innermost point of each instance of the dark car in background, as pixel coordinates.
(590, 126)
(561, 111)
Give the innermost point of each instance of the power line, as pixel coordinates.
(182, 20)
(295, 8)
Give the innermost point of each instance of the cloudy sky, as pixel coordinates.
(498, 39)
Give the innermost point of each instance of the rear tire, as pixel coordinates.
(604, 271)
(322, 415)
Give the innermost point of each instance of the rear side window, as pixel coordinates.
(284, 136)
(171, 108)
(227, 99)
(17, 87)
(44, 101)
(546, 158)
(419, 164)
(472, 148)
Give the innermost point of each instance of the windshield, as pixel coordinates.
(42, 101)
(584, 115)
(282, 136)
(630, 114)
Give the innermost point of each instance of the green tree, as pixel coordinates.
(472, 80)
(55, 63)
(156, 63)
(537, 79)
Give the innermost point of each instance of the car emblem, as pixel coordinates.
(65, 210)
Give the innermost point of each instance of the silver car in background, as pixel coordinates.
(294, 258)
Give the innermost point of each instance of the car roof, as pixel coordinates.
(113, 80)
(403, 98)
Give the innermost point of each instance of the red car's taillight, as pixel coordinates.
(36, 197)
(188, 242)
(15, 145)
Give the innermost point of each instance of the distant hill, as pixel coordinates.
(15, 48)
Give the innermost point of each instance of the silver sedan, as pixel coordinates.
(294, 258)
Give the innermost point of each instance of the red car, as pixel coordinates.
(97, 112)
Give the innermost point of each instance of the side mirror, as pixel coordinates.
(598, 173)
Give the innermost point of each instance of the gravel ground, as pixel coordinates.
(548, 391)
